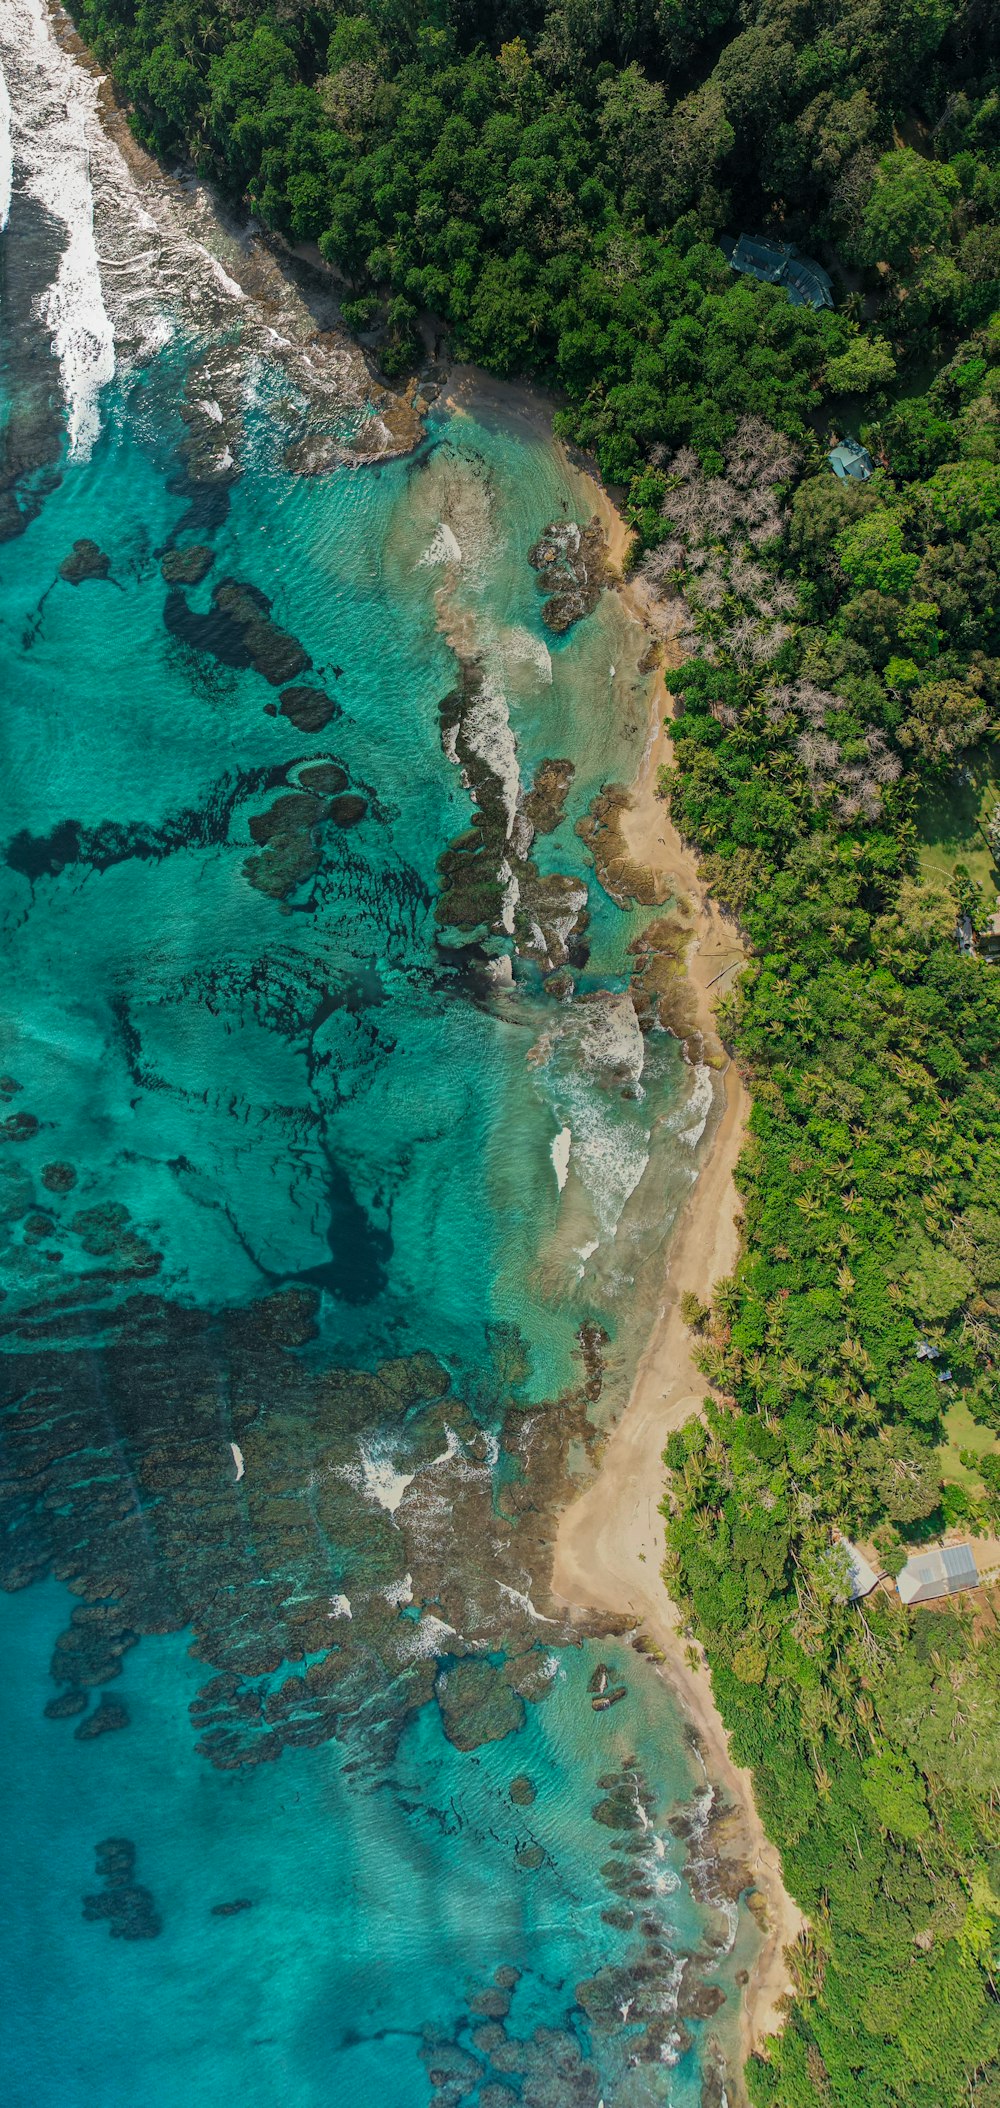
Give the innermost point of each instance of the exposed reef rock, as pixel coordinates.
(572, 567)
(490, 883)
(186, 567)
(157, 1536)
(84, 561)
(627, 882)
(546, 800)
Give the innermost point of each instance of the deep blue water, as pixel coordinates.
(277, 1173)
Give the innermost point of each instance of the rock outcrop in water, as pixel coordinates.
(85, 560)
(572, 567)
(491, 884)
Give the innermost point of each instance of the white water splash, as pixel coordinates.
(444, 548)
(521, 648)
(428, 1637)
(696, 1111)
(6, 152)
(340, 1607)
(561, 1146)
(378, 1478)
(515, 1595)
(487, 730)
(238, 1461)
(54, 128)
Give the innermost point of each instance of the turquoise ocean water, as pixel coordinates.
(293, 1298)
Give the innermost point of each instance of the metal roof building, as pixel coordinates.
(779, 263)
(942, 1572)
(851, 462)
(861, 1577)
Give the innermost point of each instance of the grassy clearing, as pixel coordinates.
(950, 820)
(963, 1432)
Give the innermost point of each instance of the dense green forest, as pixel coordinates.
(550, 181)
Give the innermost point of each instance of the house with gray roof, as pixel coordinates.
(779, 263)
(942, 1572)
(861, 1575)
(851, 462)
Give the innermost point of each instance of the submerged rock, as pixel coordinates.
(108, 1715)
(84, 561)
(477, 1704)
(58, 1178)
(238, 631)
(347, 811)
(66, 1704)
(308, 709)
(523, 1791)
(232, 1910)
(187, 567)
(128, 1907)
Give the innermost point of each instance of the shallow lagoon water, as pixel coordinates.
(301, 1140)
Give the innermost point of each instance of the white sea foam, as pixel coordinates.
(53, 128)
(444, 548)
(428, 1637)
(221, 275)
(521, 648)
(561, 1146)
(698, 1106)
(376, 1476)
(515, 1595)
(487, 730)
(6, 152)
(511, 895)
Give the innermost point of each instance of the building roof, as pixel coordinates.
(779, 263)
(940, 1572)
(862, 1577)
(848, 459)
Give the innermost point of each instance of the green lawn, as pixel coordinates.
(949, 820)
(964, 1432)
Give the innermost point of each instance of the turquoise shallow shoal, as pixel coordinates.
(313, 1092)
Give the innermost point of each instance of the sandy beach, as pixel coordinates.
(610, 1542)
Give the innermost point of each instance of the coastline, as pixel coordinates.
(610, 1540)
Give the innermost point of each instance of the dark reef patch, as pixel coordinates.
(85, 560)
(237, 631)
(187, 566)
(128, 1907)
(156, 1535)
(308, 709)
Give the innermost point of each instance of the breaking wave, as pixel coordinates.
(53, 129)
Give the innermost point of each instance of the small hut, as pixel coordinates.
(851, 462)
(861, 1575)
(945, 1571)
